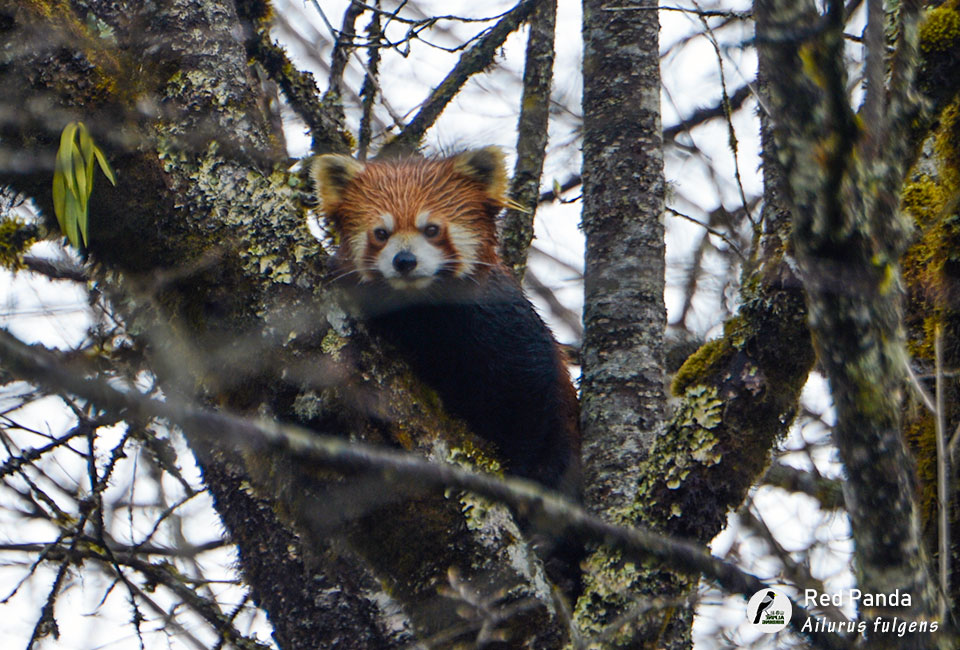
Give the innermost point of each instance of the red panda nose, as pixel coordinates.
(404, 262)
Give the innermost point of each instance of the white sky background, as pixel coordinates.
(56, 313)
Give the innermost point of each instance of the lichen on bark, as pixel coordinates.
(204, 249)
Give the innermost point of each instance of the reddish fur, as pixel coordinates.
(407, 189)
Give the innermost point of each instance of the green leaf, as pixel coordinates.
(86, 149)
(59, 195)
(65, 166)
(104, 165)
(66, 137)
(82, 222)
(73, 181)
(79, 173)
(71, 218)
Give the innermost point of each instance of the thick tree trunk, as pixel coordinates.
(843, 181)
(205, 247)
(623, 189)
(624, 316)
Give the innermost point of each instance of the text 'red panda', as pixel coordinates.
(418, 246)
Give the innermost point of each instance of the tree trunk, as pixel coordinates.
(224, 285)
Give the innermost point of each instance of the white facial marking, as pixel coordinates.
(358, 245)
(429, 261)
(466, 246)
(421, 219)
(388, 221)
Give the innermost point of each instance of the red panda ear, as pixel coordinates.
(487, 167)
(331, 173)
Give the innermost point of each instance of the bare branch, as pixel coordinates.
(528, 498)
(472, 61)
(343, 45)
(517, 225)
(944, 482)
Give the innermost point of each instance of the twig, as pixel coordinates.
(342, 46)
(797, 573)
(726, 105)
(55, 270)
(709, 229)
(919, 389)
(943, 478)
(727, 114)
(698, 117)
(828, 492)
(301, 91)
(702, 13)
(472, 61)
(569, 317)
(368, 92)
(527, 498)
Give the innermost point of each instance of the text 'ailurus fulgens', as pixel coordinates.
(418, 247)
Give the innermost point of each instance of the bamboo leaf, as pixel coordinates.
(86, 149)
(71, 218)
(82, 222)
(65, 165)
(79, 173)
(104, 165)
(66, 137)
(73, 181)
(59, 194)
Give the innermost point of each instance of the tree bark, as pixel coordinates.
(623, 193)
(532, 131)
(205, 249)
(622, 399)
(848, 236)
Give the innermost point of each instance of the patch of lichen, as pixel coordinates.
(697, 441)
(608, 585)
(920, 433)
(931, 271)
(259, 12)
(475, 455)
(940, 31)
(947, 145)
(249, 206)
(739, 394)
(15, 238)
(939, 44)
(703, 365)
(931, 266)
(92, 67)
(611, 586)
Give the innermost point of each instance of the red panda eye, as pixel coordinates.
(432, 230)
(381, 234)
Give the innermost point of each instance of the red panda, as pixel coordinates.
(418, 250)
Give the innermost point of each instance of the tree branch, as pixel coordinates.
(472, 61)
(265, 437)
(848, 236)
(517, 226)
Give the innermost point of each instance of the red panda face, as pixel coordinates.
(410, 253)
(414, 221)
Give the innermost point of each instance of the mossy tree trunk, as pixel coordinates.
(203, 246)
(932, 310)
(843, 175)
